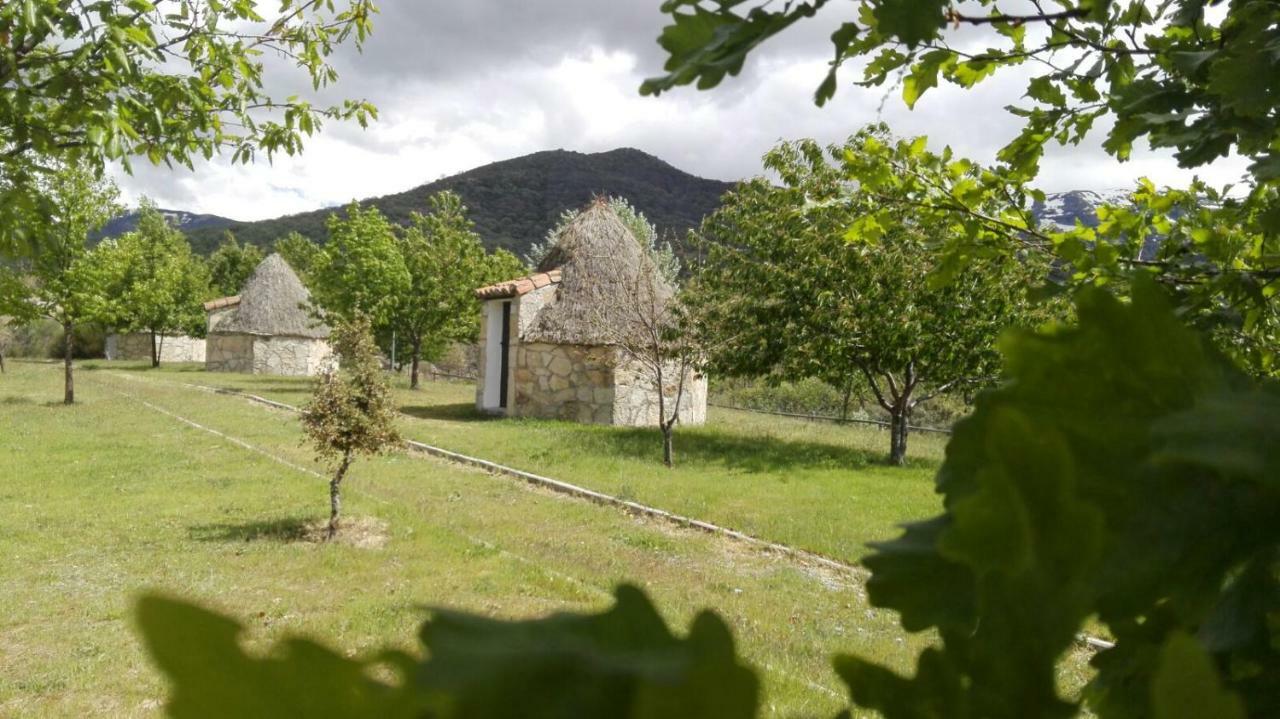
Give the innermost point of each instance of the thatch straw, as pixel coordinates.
(600, 261)
(273, 302)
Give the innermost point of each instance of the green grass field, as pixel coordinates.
(118, 495)
(817, 486)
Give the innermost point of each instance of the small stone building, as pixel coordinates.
(267, 329)
(137, 346)
(542, 350)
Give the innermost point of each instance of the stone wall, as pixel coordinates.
(636, 402)
(229, 353)
(290, 356)
(251, 354)
(564, 382)
(137, 346)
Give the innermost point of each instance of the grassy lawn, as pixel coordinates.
(112, 497)
(817, 486)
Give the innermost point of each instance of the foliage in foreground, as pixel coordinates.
(351, 412)
(1200, 82)
(1126, 471)
(91, 83)
(623, 662)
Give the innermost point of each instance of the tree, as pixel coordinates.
(300, 252)
(446, 262)
(1112, 473)
(649, 327)
(6, 336)
(351, 412)
(787, 294)
(60, 280)
(90, 83)
(154, 282)
(360, 269)
(231, 264)
(1168, 72)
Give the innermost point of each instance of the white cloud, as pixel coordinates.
(457, 91)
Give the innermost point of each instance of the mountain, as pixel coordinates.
(514, 202)
(1065, 208)
(186, 221)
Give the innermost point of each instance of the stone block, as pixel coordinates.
(561, 366)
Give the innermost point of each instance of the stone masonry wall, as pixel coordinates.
(137, 346)
(636, 402)
(289, 356)
(564, 382)
(229, 353)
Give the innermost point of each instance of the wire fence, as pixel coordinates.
(827, 418)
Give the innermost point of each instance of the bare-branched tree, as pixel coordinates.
(644, 319)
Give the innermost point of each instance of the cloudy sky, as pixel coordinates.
(461, 83)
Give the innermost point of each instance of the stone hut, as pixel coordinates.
(543, 352)
(266, 329)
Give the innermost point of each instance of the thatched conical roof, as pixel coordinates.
(273, 302)
(599, 260)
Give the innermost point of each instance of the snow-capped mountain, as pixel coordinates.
(181, 219)
(1065, 208)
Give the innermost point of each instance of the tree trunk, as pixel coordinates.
(417, 357)
(335, 496)
(155, 350)
(69, 386)
(1, 362)
(898, 420)
(668, 448)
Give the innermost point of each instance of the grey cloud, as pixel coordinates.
(467, 82)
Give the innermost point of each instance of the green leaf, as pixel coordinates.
(1044, 90)
(924, 75)
(623, 662)
(212, 676)
(911, 21)
(1186, 685)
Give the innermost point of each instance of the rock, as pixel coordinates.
(560, 366)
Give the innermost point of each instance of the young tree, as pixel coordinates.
(649, 328)
(154, 282)
(351, 412)
(6, 336)
(445, 262)
(786, 292)
(60, 281)
(90, 83)
(360, 270)
(231, 264)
